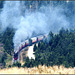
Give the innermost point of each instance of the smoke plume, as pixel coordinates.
(48, 18)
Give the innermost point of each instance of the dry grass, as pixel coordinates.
(39, 70)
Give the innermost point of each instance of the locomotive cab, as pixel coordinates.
(15, 56)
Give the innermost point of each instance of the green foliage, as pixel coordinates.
(9, 66)
(3, 58)
(18, 64)
(29, 63)
(35, 47)
(59, 51)
(7, 40)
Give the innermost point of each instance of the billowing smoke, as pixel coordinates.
(47, 18)
(10, 16)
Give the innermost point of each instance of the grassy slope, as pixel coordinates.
(39, 70)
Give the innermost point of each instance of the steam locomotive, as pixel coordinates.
(29, 43)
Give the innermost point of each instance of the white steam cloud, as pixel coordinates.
(30, 53)
(46, 19)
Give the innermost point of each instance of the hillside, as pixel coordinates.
(60, 50)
